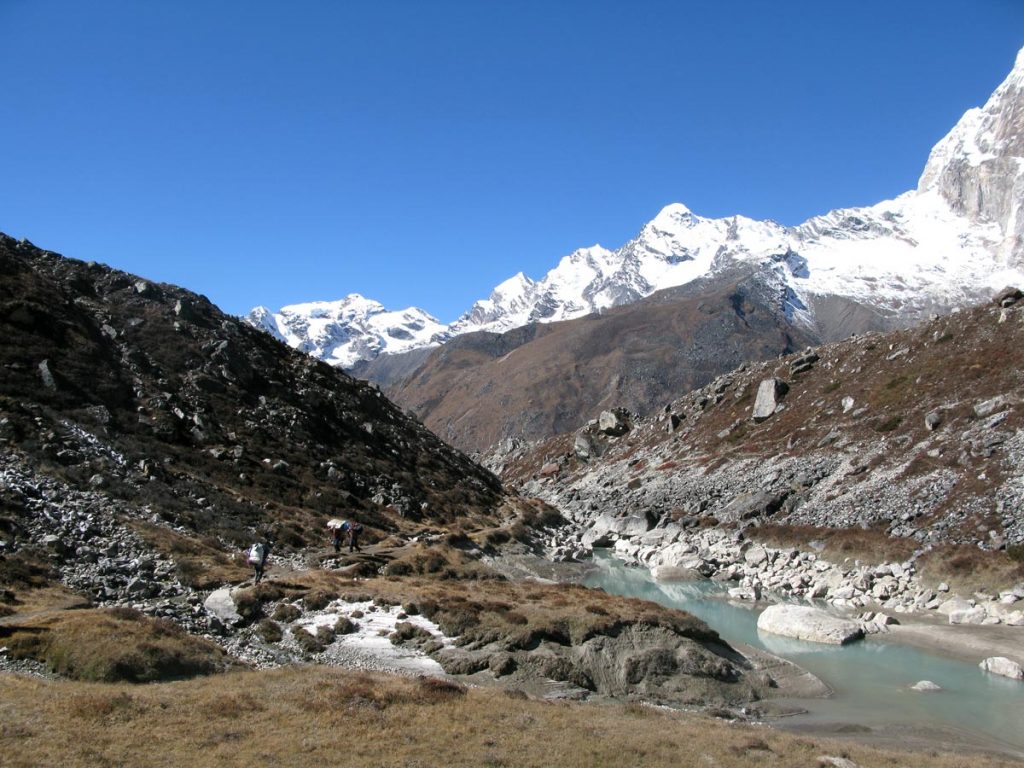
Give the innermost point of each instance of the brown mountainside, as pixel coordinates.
(913, 435)
(541, 380)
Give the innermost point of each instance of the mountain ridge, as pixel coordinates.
(951, 241)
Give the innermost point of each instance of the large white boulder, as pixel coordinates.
(221, 605)
(1000, 665)
(975, 615)
(806, 623)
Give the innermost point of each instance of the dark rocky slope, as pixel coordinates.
(126, 397)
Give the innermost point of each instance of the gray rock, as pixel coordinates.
(926, 686)
(1000, 665)
(46, 375)
(613, 423)
(1008, 296)
(769, 393)
(221, 605)
(810, 624)
(827, 761)
(583, 446)
(750, 505)
(932, 421)
(955, 603)
(755, 555)
(988, 407)
(975, 615)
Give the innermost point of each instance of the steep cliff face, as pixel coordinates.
(978, 168)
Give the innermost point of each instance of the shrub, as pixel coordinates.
(407, 633)
(435, 690)
(270, 631)
(286, 612)
(308, 642)
(318, 599)
(345, 626)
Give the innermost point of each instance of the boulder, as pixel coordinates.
(755, 555)
(955, 603)
(221, 606)
(932, 420)
(975, 615)
(1000, 665)
(47, 375)
(810, 624)
(803, 363)
(926, 686)
(990, 406)
(613, 423)
(608, 526)
(670, 573)
(828, 761)
(769, 393)
(1008, 296)
(749, 505)
(583, 446)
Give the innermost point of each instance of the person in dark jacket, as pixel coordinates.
(353, 537)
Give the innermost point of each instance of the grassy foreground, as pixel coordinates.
(316, 716)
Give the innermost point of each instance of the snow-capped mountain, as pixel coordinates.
(351, 329)
(955, 238)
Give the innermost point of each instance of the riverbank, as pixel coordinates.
(873, 699)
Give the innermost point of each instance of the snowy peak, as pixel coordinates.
(951, 241)
(978, 167)
(351, 329)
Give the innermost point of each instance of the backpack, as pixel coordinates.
(256, 554)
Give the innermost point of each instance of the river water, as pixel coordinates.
(870, 678)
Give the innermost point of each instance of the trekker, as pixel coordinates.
(336, 534)
(353, 537)
(258, 554)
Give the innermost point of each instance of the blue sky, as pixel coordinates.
(421, 152)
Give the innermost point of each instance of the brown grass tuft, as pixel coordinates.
(117, 645)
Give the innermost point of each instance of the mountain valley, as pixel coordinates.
(819, 428)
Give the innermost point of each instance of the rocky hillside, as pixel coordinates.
(911, 441)
(139, 421)
(542, 379)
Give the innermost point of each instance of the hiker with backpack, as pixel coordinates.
(354, 529)
(258, 554)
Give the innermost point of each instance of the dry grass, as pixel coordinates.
(521, 615)
(319, 716)
(114, 645)
(868, 546)
(968, 569)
